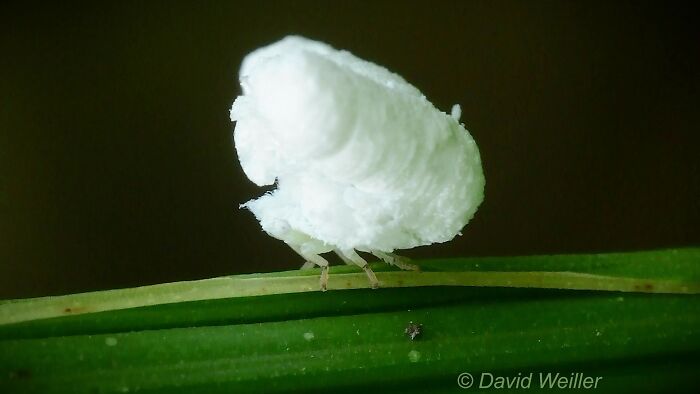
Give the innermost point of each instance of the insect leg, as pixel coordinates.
(355, 258)
(314, 259)
(392, 259)
(343, 257)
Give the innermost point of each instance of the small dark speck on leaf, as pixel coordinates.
(644, 287)
(20, 374)
(413, 330)
(74, 310)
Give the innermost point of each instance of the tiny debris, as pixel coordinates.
(413, 330)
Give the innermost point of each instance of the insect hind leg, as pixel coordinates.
(395, 260)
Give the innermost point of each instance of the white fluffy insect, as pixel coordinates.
(363, 162)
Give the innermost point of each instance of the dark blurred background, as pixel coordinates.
(117, 166)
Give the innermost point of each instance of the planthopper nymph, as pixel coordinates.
(363, 162)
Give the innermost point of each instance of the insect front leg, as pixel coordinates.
(311, 260)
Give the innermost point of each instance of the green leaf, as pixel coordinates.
(276, 332)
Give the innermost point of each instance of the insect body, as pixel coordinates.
(362, 160)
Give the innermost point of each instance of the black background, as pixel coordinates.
(117, 166)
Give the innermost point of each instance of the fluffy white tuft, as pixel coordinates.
(362, 160)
